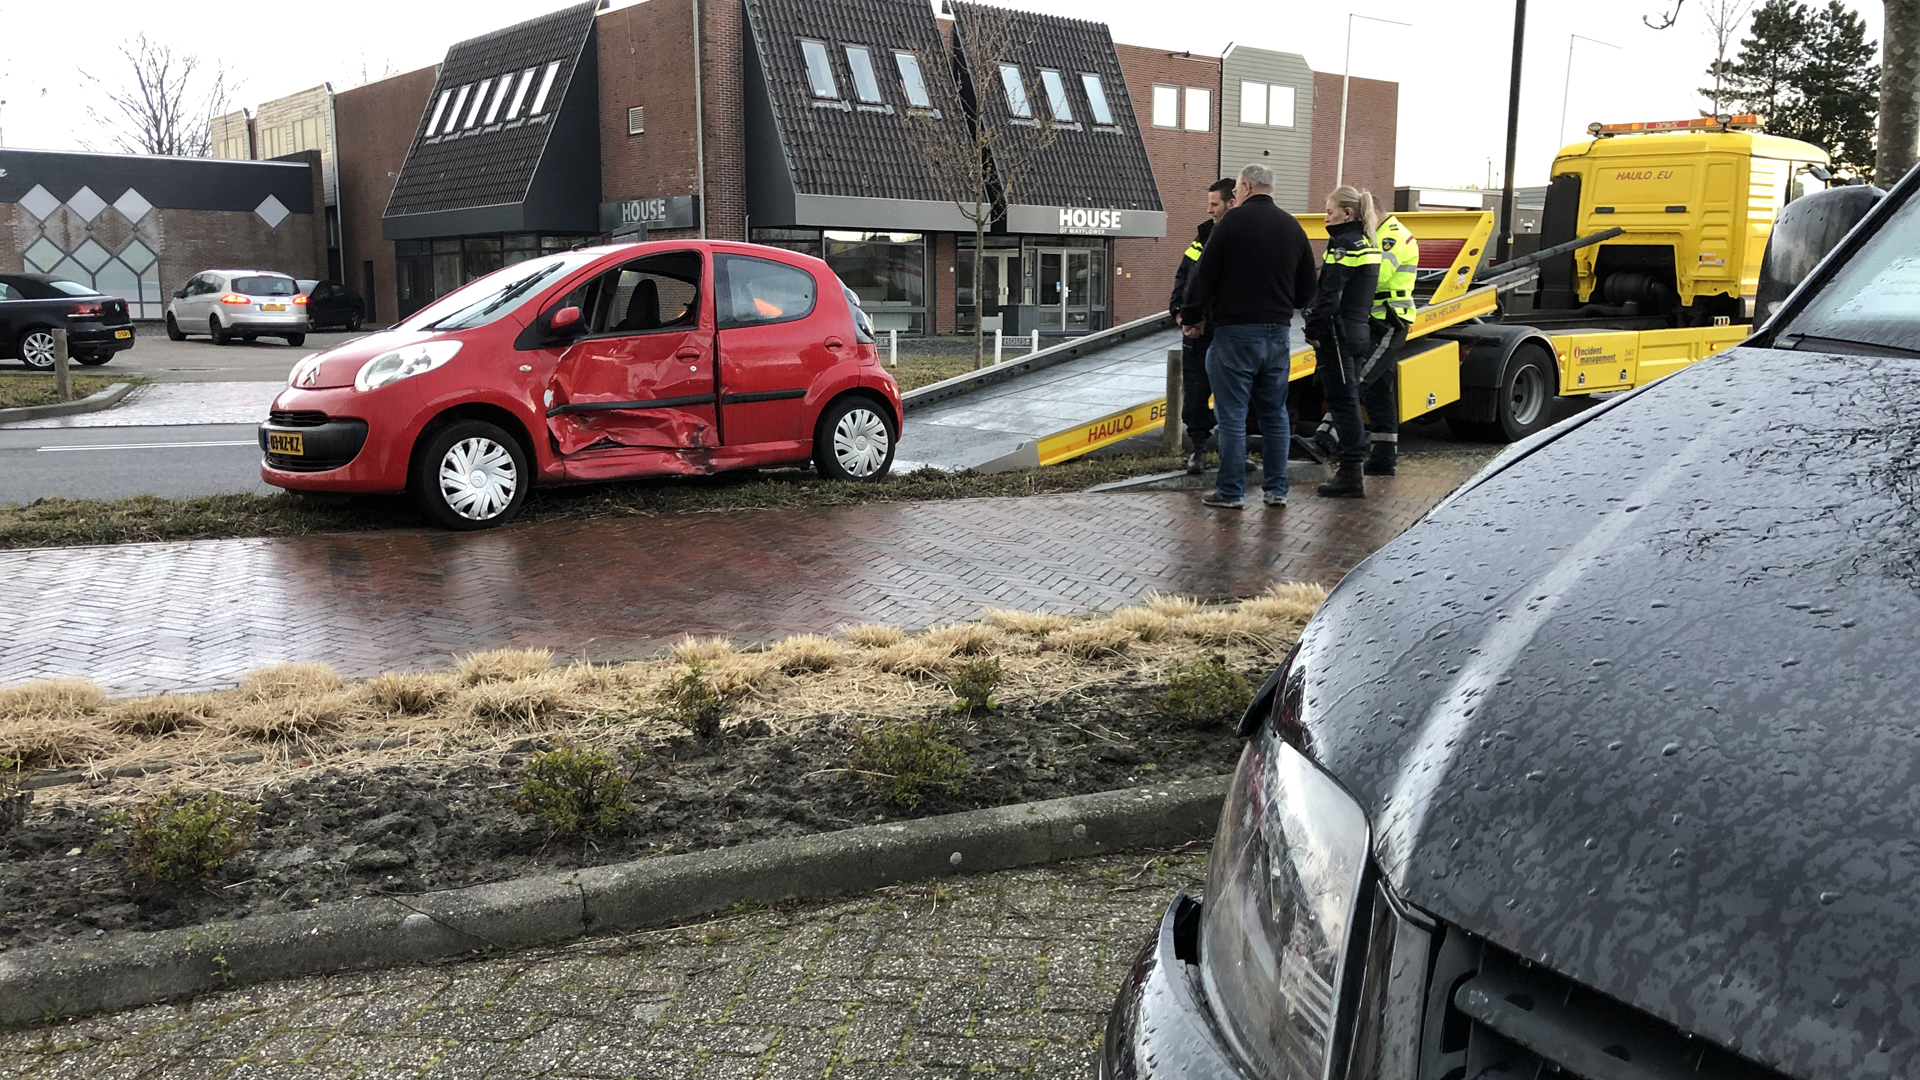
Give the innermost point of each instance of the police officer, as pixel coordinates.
(1196, 411)
(1337, 327)
(1392, 316)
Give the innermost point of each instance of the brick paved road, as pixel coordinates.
(199, 614)
(1006, 973)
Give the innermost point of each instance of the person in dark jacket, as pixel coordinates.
(1256, 269)
(1337, 327)
(1196, 411)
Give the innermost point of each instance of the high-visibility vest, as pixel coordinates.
(1399, 258)
(1193, 250)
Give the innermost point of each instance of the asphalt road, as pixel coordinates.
(199, 360)
(115, 462)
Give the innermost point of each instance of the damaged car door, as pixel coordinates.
(636, 393)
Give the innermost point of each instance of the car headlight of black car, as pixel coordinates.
(1282, 894)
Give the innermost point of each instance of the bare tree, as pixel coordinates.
(164, 108)
(1725, 20)
(986, 160)
(1667, 18)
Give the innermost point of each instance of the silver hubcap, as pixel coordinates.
(860, 442)
(1529, 395)
(37, 349)
(477, 478)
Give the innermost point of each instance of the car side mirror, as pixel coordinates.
(565, 323)
(179, 294)
(1803, 234)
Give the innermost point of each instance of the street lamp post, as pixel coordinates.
(1346, 80)
(1505, 245)
(1567, 86)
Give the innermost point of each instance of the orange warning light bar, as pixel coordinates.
(1722, 122)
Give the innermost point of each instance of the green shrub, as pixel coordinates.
(901, 762)
(576, 792)
(974, 685)
(1205, 693)
(179, 837)
(691, 700)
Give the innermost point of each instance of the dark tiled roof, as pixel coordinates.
(1105, 168)
(492, 164)
(851, 151)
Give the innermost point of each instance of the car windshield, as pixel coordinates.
(1874, 297)
(73, 288)
(265, 285)
(480, 302)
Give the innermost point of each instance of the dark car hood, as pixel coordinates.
(1645, 707)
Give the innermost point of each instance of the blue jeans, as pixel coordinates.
(1248, 366)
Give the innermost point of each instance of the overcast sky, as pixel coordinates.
(1451, 63)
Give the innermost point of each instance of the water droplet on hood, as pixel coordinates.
(1670, 749)
(1614, 745)
(1536, 776)
(1829, 897)
(1679, 856)
(1592, 843)
(1839, 1001)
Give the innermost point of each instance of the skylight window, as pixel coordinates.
(912, 80)
(546, 87)
(439, 110)
(1097, 98)
(459, 103)
(520, 95)
(1056, 88)
(865, 85)
(499, 98)
(479, 101)
(820, 70)
(1017, 101)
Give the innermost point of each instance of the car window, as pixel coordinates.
(756, 292)
(7, 292)
(480, 302)
(658, 292)
(1874, 297)
(264, 285)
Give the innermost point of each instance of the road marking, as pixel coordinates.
(147, 445)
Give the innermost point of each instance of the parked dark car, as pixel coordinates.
(1610, 766)
(331, 304)
(33, 306)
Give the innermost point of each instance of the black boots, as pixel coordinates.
(1383, 459)
(1346, 484)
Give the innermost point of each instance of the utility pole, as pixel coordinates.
(1898, 137)
(1505, 247)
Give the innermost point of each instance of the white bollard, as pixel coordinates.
(893, 348)
(996, 345)
(1036, 342)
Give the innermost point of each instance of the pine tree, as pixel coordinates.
(1765, 76)
(1810, 74)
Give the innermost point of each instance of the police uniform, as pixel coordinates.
(1387, 327)
(1196, 410)
(1337, 323)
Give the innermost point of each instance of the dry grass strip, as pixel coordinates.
(300, 719)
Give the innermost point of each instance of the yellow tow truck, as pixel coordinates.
(1652, 238)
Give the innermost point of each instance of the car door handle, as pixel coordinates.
(687, 354)
(835, 343)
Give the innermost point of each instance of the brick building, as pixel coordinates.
(797, 127)
(138, 227)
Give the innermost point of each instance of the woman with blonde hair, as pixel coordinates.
(1337, 327)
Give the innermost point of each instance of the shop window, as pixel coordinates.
(1017, 101)
(1056, 88)
(912, 80)
(887, 271)
(1199, 109)
(1097, 99)
(758, 292)
(499, 98)
(865, 85)
(520, 94)
(546, 87)
(804, 241)
(820, 70)
(1166, 106)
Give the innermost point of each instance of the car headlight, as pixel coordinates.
(1281, 894)
(304, 369)
(404, 363)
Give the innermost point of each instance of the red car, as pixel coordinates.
(654, 359)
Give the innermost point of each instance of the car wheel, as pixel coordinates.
(353, 323)
(35, 348)
(471, 475)
(220, 335)
(1527, 390)
(296, 340)
(94, 359)
(854, 441)
(174, 333)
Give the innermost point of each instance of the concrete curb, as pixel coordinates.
(104, 399)
(1070, 349)
(118, 973)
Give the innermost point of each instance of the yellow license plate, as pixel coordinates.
(123, 334)
(273, 307)
(288, 443)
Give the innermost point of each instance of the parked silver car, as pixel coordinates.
(239, 303)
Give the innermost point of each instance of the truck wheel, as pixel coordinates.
(471, 475)
(1527, 390)
(854, 440)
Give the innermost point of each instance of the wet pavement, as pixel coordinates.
(158, 404)
(199, 614)
(1008, 973)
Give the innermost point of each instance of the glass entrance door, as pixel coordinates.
(1067, 290)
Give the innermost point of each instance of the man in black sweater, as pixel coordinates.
(1256, 269)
